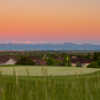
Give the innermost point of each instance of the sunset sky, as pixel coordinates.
(50, 21)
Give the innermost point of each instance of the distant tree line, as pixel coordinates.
(50, 60)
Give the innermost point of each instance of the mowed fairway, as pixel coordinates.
(44, 70)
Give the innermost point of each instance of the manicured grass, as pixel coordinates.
(40, 71)
(67, 87)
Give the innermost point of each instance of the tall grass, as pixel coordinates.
(81, 87)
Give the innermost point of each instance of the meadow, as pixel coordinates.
(83, 84)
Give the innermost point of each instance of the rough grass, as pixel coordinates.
(74, 87)
(78, 87)
(39, 71)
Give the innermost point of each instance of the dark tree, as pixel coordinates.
(25, 61)
(94, 65)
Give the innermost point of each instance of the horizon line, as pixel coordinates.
(25, 42)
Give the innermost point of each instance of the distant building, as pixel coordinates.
(84, 62)
(6, 60)
(10, 62)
